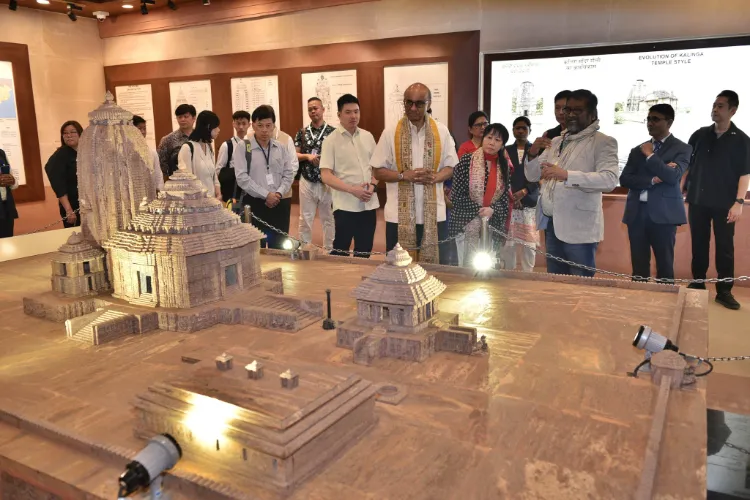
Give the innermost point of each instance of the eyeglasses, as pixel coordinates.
(480, 125)
(419, 104)
(573, 111)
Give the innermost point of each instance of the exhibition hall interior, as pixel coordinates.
(359, 249)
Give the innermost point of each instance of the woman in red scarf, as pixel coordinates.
(481, 188)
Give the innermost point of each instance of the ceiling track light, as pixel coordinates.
(72, 15)
(144, 9)
(171, 4)
(206, 2)
(13, 4)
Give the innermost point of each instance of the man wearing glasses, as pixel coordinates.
(578, 166)
(414, 157)
(654, 207)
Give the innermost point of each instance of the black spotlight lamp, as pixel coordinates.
(71, 15)
(13, 4)
(171, 4)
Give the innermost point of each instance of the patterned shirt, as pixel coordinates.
(309, 140)
(167, 145)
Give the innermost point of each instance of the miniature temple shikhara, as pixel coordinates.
(180, 255)
(397, 315)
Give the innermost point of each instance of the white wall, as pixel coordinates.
(504, 25)
(66, 60)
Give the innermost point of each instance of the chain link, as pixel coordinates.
(738, 448)
(47, 226)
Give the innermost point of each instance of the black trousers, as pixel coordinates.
(700, 219)
(644, 235)
(391, 238)
(277, 216)
(6, 228)
(357, 226)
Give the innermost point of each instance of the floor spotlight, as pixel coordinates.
(13, 4)
(71, 15)
(171, 4)
(482, 261)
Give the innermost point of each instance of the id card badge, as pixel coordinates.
(314, 151)
(269, 179)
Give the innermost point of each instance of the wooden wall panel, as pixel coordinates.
(18, 56)
(460, 50)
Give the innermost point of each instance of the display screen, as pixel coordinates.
(627, 85)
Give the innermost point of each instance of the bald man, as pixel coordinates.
(414, 174)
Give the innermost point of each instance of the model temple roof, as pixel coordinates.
(399, 281)
(76, 249)
(184, 220)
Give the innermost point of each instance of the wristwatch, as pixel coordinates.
(400, 176)
(741, 201)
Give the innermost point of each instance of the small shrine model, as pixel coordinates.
(397, 315)
(78, 268)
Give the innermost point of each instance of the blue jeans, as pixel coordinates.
(580, 253)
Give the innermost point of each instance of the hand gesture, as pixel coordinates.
(647, 148)
(426, 176)
(656, 181)
(361, 192)
(272, 199)
(518, 195)
(486, 212)
(552, 172)
(539, 144)
(71, 217)
(7, 180)
(734, 213)
(672, 164)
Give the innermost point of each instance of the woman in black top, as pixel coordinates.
(8, 212)
(62, 172)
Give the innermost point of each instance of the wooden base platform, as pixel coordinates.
(549, 413)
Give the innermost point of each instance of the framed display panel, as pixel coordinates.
(18, 128)
(627, 80)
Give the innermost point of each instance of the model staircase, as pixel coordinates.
(85, 328)
(279, 305)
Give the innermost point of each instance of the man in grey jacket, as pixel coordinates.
(575, 168)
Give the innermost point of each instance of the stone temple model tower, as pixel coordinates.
(114, 172)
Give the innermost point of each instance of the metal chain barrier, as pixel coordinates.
(47, 226)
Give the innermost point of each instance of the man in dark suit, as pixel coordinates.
(560, 100)
(8, 212)
(654, 207)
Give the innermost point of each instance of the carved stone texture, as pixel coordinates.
(289, 379)
(115, 172)
(78, 268)
(256, 431)
(254, 370)
(668, 363)
(224, 362)
(183, 249)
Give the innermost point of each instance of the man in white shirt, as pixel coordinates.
(156, 173)
(224, 171)
(345, 168)
(265, 171)
(414, 173)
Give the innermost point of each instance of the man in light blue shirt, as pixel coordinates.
(264, 171)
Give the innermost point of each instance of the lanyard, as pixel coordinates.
(322, 131)
(266, 155)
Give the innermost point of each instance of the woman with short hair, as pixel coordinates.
(62, 172)
(481, 189)
(197, 155)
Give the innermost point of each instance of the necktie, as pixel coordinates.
(657, 146)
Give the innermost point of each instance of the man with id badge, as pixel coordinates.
(264, 172)
(313, 194)
(8, 213)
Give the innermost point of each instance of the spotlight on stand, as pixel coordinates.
(651, 342)
(483, 260)
(160, 454)
(13, 5)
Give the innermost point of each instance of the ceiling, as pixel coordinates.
(114, 7)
